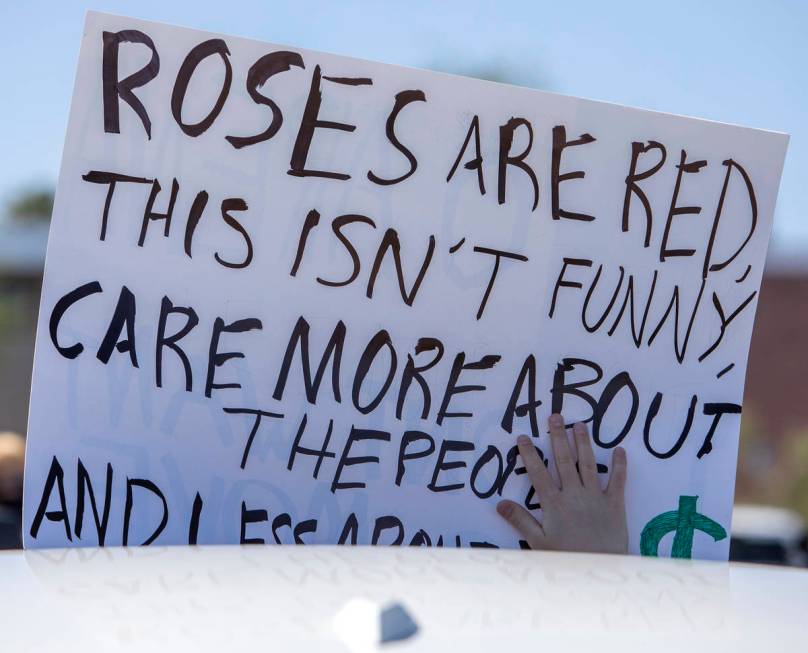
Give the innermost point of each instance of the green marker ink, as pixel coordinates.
(683, 522)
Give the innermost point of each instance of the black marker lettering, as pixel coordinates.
(150, 214)
(530, 406)
(561, 387)
(187, 69)
(124, 316)
(459, 365)
(633, 188)
(561, 282)
(311, 121)
(307, 526)
(683, 167)
(560, 143)
(385, 523)
(674, 304)
(356, 435)
(216, 358)
(191, 320)
(646, 431)
(320, 454)
(407, 439)
(506, 133)
(111, 179)
(258, 75)
(236, 204)
(193, 525)
(725, 321)
(607, 310)
(715, 267)
(717, 411)
(350, 530)
(628, 300)
(56, 476)
(114, 88)
(300, 336)
(336, 227)
(251, 517)
(84, 486)
(390, 241)
(497, 254)
(127, 513)
(284, 520)
(312, 220)
(61, 308)
(490, 454)
(402, 100)
(477, 162)
(194, 216)
(380, 340)
(441, 465)
(412, 372)
(259, 415)
(613, 387)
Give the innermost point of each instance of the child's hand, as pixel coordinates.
(12, 462)
(579, 516)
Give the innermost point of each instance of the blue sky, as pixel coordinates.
(737, 61)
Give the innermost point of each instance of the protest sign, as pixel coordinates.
(296, 297)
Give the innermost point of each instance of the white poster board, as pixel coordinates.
(229, 220)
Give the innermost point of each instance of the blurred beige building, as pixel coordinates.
(778, 359)
(22, 257)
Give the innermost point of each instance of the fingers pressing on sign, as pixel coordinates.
(587, 467)
(617, 480)
(538, 474)
(579, 516)
(562, 454)
(519, 517)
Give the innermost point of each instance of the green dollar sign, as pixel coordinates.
(683, 521)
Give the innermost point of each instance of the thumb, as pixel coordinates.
(525, 523)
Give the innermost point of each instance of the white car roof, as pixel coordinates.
(285, 598)
(767, 523)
